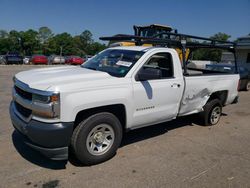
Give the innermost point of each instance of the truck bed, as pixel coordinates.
(198, 89)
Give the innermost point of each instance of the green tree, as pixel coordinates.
(85, 41)
(44, 41)
(44, 33)
(4, 42)
(3, 34)
(79, 46)
(4, 45)
(14, 41)
(211, 54)
(64, 42)
(221, 36)
(29, 42)
(86, 36)
(84, 44)
(96, 47)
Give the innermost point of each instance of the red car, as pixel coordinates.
(39, 59)
(74, 60)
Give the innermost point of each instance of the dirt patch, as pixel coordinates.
(242, 114)
(51, 184)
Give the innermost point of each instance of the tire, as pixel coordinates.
(247, 86)
(97, 138)
(212, 112)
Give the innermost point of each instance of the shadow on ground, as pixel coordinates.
(149, 132)
(155, 130)
(129, 138)
(33, 156)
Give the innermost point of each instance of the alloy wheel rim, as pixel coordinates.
(215, 115)
(248, 86)
(100, 139)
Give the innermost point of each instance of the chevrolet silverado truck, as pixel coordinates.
(88, 108)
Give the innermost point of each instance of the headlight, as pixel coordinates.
(46, 106)
(40, 98)
(44, 98)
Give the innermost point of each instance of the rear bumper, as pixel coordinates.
(50, 139)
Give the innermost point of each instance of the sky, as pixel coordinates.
(109, 17)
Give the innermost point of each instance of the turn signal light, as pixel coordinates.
(54, 98)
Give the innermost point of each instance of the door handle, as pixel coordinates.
(175, 85)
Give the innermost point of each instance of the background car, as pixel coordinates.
(26, 59)
(87, 57)
(244, 73)
(39, 59)
(13, 58)
(2, 59)
(54, 59)
(74, 60)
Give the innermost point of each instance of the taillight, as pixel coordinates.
(238, 88)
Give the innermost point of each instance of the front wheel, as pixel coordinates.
(212, 112)
(96, 138)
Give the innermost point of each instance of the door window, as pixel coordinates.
(162, 62)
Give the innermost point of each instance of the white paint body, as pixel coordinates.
(146, 102)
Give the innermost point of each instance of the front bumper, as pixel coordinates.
(50, 139)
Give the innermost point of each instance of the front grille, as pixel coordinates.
(23, 94)
(22, 110)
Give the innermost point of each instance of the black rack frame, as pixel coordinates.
(178, 40)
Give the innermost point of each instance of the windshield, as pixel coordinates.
(115, 62)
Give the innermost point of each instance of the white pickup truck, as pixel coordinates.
(88, 108)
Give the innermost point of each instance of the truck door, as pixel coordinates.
(157, 100)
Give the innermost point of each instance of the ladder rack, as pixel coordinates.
(176, 40)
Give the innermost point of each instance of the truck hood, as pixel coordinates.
(57, 77)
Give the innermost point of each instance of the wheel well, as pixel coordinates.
(117, 109)
(221, 95)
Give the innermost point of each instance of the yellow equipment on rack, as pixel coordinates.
(150, 31)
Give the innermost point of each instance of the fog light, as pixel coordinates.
(42, 114)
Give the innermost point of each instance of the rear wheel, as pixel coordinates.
(248, 86)
(96, 138)
(212, 112)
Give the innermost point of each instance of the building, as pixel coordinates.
(243, 51)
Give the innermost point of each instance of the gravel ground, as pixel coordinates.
(179, 153)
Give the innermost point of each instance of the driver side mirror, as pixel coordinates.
(148, 74)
